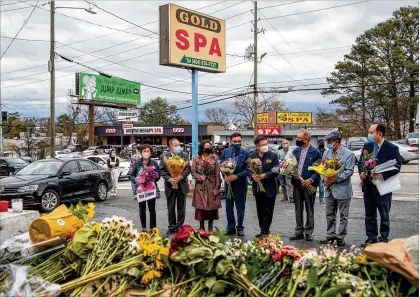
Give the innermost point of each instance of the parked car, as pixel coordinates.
(27, 159)
(90, 150)
(106, 148)
(102, 159)
(47, 183)
(356, 143)
(76, 148)
(75, 155)
(11, 165)
(60, 154)
(413, 138)
(407, 152)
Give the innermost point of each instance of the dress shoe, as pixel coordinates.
(380, 239)
(367, 242)
(291, 201)
(202, 225)
(259, 235)
(297, 237)
(210, 226)
(283, 199)
(240, 233)
(309, 238)
(170, 232)
(341, 242)
(230, 232)
(328, 240)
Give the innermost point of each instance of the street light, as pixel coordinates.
(51, 69)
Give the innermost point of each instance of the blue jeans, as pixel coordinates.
(239, 200)
(375, 203)
(321, 188)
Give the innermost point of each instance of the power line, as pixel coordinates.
(303, 12)
(272, 67)
(118, 17)
(283, 4)
(24, 24)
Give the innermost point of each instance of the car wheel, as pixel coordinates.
(101, 192)
(49, 200)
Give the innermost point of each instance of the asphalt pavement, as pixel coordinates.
(404, 213)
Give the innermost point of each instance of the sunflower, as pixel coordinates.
(148, 276)
(90, 211)
(362, 260)
(97, 227)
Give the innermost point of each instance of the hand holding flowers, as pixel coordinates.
(330, 168)
(255, 166)
(228, 168)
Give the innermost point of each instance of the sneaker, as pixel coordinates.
(297, 237)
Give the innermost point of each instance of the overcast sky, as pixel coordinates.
(309, 43)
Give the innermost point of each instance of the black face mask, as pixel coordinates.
(236, 146)
(208, 150)
(299, 143)
(321, 146)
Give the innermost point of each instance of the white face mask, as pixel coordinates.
(264, 149)
(145, 155)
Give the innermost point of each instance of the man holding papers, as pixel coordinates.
(382, 152)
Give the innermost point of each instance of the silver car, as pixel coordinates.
(408, 153)
(413, 139)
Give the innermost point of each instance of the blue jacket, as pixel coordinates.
(312, 156)
(388, 151)
(270, 166)
(240, 186)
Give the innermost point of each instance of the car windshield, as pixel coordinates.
(41, 168)
(15, 161)
(92, 148)
(361, 139)
(413, 135)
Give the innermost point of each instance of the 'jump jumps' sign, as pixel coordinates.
(191, 39)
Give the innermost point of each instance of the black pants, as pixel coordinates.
(176, 199)
(151, 204)
(304, 199)
(265, 209)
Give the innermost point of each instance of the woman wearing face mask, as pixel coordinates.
(113, 163)
(143, 162)
(206, 198)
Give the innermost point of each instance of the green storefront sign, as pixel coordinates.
(111, 90)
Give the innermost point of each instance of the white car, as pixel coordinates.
(90, 150)
(408, 153)
(413, 139)
(102, 159)
(60, 154)
(75, 155)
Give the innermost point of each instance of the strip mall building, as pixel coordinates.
(153, 135)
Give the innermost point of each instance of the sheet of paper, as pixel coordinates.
(390, 185)
(384, 169)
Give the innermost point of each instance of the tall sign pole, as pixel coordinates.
(91, 125)
(52, 80)
(255, 67)
(195, 112)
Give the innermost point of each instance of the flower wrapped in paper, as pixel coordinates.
(329, 167)
(228, 168)
(289, 166)
(176, 166)
(255, 166)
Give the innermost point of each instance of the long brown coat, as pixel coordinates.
(207, 200)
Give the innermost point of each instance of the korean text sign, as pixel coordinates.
(111, 90)
(191, 39)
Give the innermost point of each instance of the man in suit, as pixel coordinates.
(338, 189)
(305, 155)
(265, 200)
(321, 149)
(175, 197)
(239, 184)
(285, 181)
(383, 151)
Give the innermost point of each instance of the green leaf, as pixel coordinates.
(165, 260)
(210, 281)
(221, 235)
(312, 278)
(219, 253)
(214, 239)
(412, 290)
(223, 267)
(218, 288)
(336, 291)
(134, 271)
(322, 270)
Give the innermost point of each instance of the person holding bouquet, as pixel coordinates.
(134, 158)
(206, 198)
(174, 168)
(140, 165)
(338, 189)
(305, 155)
(113, 163)
(238, 183)
(264, 169)
(285, 181)
(381, 151)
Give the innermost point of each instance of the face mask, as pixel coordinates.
(330, 146)
(299, 143)
(285, 146)
(145, 155)
(321, 146)
(236, 146)
(208, 150)
(264, 149)
(177, 149)
(370, 138)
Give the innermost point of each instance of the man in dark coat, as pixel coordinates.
(383, 151)
(265, 198)
(239, 184)
(175, 197)
(305, 155)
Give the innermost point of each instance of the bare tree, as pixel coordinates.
(218, 115)
(243, 107)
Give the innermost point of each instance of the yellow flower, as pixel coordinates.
(97, 227)
(156, 232)
(148, 276)
(159, 265)
(90, 211)
(362, 260)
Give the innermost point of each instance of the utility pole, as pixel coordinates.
(255, 67)
(52, 78)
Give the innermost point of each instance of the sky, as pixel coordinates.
(302, 39)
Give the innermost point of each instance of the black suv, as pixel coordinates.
(11, 165)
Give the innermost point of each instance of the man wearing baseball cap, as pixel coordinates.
(338, 189)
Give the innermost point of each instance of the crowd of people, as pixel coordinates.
(335, 192)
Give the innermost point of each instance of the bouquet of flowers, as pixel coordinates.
(289, 166)
(207, 170)
(228, 168)
(368, 163)
(176, 166)
(146, 179)
(255, 166)
(330, 167)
